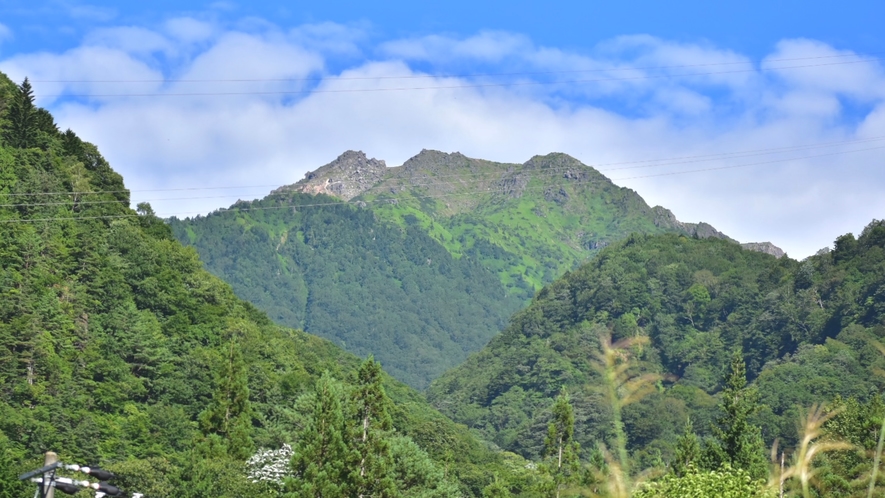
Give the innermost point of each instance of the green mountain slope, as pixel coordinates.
(369, 285)
(117, 347)
(528, 222)
(420, 264)
(804, 330)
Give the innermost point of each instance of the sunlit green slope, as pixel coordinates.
(117, 347)
(420, 264)
(804, 329)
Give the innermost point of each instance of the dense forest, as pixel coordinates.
(117, 348)
(688, 322)
(368, 285)
(667, 365)
(428, 261)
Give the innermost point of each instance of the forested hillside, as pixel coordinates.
(368, 285)
(117, 348)
(680, 307)
(425, 262)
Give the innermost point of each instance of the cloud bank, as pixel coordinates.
(191, 103)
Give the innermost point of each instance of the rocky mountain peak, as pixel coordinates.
(348, 176)
(766, 247)
(664, 218)
(434, 161)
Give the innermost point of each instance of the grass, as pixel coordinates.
(536, 238)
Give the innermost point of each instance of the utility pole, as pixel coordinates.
(48, 480)
(49, 458)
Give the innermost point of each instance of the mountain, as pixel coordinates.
(423, 263)
(117, 348)
(805, 329)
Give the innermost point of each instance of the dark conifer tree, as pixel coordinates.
(320, 463)
(560, 448)
(740, 441)
(21, 128)
(373, 473)
(688, 451)
(228, 419)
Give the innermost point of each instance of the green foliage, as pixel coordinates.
(322, 453)
(368, 285)
(426, 275)
(373, 475)
(740, 442)
(117, 348)
(560, 449)
(497, 489)
(22, 125)
(637, 288)
(688, 452)
(347, 446)
(228, 418)
(10, 467)
(803, 332)
(723, 483)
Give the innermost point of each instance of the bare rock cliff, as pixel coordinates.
(665, 218)
(766, 247)
(348, 176)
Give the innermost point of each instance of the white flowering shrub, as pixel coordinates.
(270, 466)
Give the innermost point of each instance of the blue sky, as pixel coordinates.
(798, 88)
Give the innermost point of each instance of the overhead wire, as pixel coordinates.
(448, 87)
(497, 176)
(459, 75)
(663, 162)
(436, 196)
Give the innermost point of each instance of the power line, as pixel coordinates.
(665, 162)
(473, 193)
(72, 218)
(462, 75)
(98, 192)
(443, 87)
(476, 179)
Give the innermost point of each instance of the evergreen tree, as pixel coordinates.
(739, 440)
(560, 448)
(373, 474)
(497, 489)
(688, 451)
(228, 419)
(22, 126)
(321, 455)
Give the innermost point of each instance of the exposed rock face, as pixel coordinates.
(348, 176)
(766, 247)
(665, 218)
(436, 172)
(434, 161)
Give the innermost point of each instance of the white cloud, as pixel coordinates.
(88, 12)
(268, 138)
(489, 46)
(329, 37)
(130, 39)
(823, 68)
(189, 30)
(81, 71)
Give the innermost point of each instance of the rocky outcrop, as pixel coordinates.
(766, 247)
(432, 162)
(664, 218)
(348, 176)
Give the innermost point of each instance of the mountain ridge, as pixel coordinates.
(806, 331)
(353, 174)
(419, 264)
